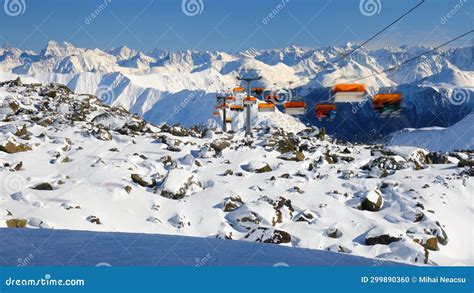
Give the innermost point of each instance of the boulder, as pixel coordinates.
(178, 183)
(292, 156)
(140, 180)
(232, 203)
(43, 186)
(268, 235)
(384, 239)
(258, 167)
(12, 147)
(219, 145)
(16, 223)
(373, 201)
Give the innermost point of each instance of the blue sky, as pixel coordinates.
(231, 25)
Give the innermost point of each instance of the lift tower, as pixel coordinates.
(221, 99)
(248, 80)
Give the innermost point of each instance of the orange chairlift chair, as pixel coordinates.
(349, 93)
(325, 111)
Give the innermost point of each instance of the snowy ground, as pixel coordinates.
(28, 247)
(459, 136)
(79, 165)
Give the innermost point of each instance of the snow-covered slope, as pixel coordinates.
(459, 136)
(69, 162)
(66, 248)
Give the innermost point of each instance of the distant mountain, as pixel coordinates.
(156, 83)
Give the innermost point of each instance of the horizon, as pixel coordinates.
(231, 27)
(306, 48)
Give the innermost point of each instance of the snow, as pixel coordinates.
(459, 136)
(94, 183)
(157, 85)
(104, 249)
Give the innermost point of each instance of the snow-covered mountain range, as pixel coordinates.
(179, 87)
(70, 162)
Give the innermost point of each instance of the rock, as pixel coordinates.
(16, 223)
(292, 156)
(437, 158)
(175, 130)
(178, 183)
(348, 174)
(384, 239)
(35, 222)
(11, 147)
(94, 220)
(66, 160)
(333, 233)
(43, 186)
(430, 243)
(18, 166)
(179, 221)
(465, 163)
(305, 216)
(258, 167)
(228, 172)
(22, 133)
(17, 82)
(232, 203)
(373, 201)
(102, 134)
(385, 163)
(219, 145)
(338, 248)
(141, 181)
(128, 189)
(268, 235)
